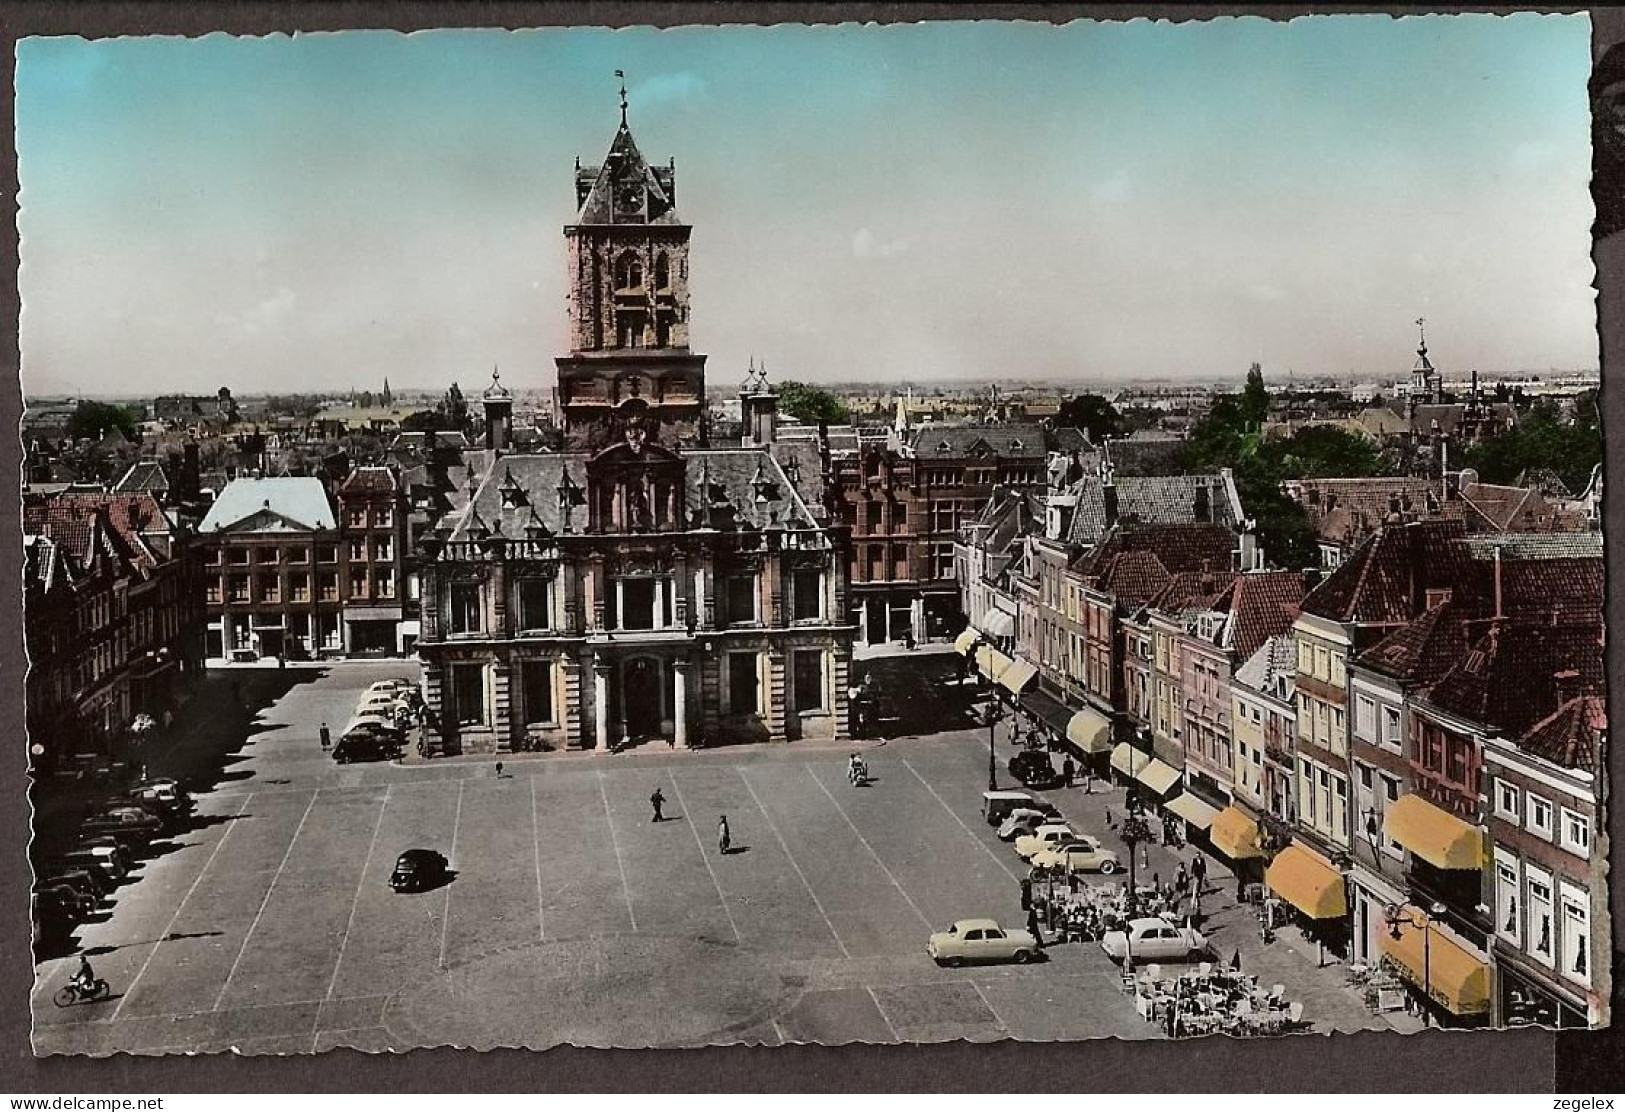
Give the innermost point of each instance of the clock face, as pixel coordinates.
(630, 196)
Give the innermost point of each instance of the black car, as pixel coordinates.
(417, 869)
(95, 883)
(1034, 769)
(366, 745)
(83, 861)
(65, 900)
(129, 825)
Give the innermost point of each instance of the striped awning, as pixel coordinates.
(1090, 731)
(1193, 810)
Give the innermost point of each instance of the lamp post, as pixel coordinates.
(992, 713)
(1134, 831)
(1398, 917)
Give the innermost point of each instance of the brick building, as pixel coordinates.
(373, 516)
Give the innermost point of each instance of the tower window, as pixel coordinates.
(662, 272)
(628, 272)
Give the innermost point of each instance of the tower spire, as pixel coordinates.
(622, 75)
(1422, 330)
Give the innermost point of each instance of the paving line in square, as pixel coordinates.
(536, 844)
(884, 1018)
(445, 915)
(355, 902)
(771, 825)
(173, 919)
(985, 847)
(265, 901)
(991, 1010)
(688, 818)
(909, 900)
(615, 842)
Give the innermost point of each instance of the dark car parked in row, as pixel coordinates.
(417, 869)
(130, 825)
(366, 745)
(1034, 768)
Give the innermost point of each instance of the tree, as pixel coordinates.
(1324, 452)
(90, 420)
(810, 404)
(424, 420)
(1093, 414)
(454, 409)
(1255, 399)
(1542, 438)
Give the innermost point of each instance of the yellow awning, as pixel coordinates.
(1235, 835)
(1157, 776)
(1090, 731)
(964, 641)
(1018, 676)
(991, 662)
(1307, 882)
(1194, 811)
(1434, 835)
(1124, 758)
(1440, 966)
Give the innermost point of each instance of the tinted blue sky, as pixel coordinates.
(973, 200)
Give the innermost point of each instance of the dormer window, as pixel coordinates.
(512, 494)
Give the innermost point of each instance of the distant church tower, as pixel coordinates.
(629, 358)
(1424, 379)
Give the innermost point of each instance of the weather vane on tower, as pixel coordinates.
(622, 75)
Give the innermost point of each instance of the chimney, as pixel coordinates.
(1498, 613)
(1203, 508)
(1108, 500)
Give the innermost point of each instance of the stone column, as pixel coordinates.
(679, 703)
(600, 703)
(660, 603)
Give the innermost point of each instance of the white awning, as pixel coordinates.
(1192, 810)
(1157, 776)
(999, 623)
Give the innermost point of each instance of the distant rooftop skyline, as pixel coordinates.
(956, 201)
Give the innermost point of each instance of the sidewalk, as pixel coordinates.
(642, 749)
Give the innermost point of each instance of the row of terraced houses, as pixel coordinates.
(1401, 751)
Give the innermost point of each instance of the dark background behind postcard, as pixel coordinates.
(1436, 1061)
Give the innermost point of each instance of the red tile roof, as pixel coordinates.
(1517, 673)
(1385, 581)
(86, 525)
(1570, 736)
(1263, 604)
(1137, 564)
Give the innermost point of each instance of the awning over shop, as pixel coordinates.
(1434, 835)
(1235, 835)
(991, 662)
(1440, 966)
(999, 623)
(1090, 731)
(1308, 883)
(1157, 776)
(1019, 676)
(1051, 713)
(964, 641)
(1194, 811)
(1125, 759)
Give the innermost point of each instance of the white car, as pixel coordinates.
(390, 687)
(1023, 820)
(1050, 834)
(1081, 855)
(981, 940)
(1155, 939)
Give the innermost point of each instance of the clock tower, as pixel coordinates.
(629, 362)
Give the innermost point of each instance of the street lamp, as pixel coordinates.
(1134, 831)
(1398, 917)
(992, 712)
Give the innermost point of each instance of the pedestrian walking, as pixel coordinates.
(724, 841)
(1032, 927)
(657, 801)
(1199, 872)
(499, 770)
(327, 737)
(1026, 893)
(1088, 780)
(1068, 771)
(1111, 820)
(1181, 878)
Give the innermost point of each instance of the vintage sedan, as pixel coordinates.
(1047, 835)
(417, 869)
(981, 940)
(1155, 939)
(127, 824)
(1081, 855)
(1023, 820)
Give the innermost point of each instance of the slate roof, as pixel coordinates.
(370, 480)
(1450, 415)
(801, 464)
(596, 185)
(1534, 546)
(1545, 480)
(301, 503)
(961, 441)
(143, 475)
(1570, 736)
(722, 478)
(1274, 661)
(1147, 500)
(1517, 674)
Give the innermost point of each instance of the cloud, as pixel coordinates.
(865, 246)
(666, 88)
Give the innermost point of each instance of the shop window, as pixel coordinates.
(536, 691)
(1507, 923)
(808, 679)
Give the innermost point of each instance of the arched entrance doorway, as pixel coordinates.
(645, 697)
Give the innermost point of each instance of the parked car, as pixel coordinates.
(96, 882)
(417, 869)
(997, 806)
(55, 911)
(1081, 855)
(167, 795)
(1155, 939)
(1024, 820)
(1051, 833)
(1034, 768)
(108, 848)
(73, 902)
(366, 744)
(390, 687)
(127, 824)
(100, 869)
(981, 940)
(377, 701)
(382, 721)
